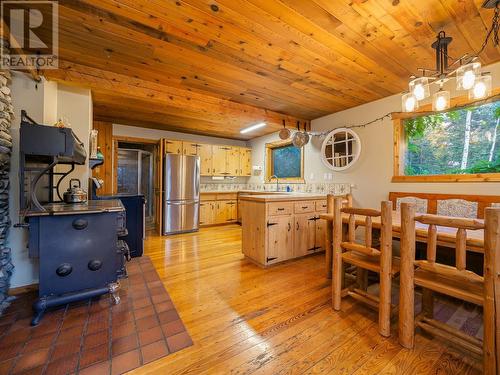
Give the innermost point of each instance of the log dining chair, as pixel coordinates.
(346, 202)
(366, 258)
(457, 281)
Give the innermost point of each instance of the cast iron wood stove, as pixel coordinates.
(78, 245)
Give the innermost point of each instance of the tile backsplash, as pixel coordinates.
(320, 187)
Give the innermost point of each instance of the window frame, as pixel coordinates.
(355, 156)
(400, 147)
(269, 161)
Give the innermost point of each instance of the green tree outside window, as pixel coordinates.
(461, 141)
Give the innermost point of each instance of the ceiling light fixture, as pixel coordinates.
(466, 69)
(253, 127)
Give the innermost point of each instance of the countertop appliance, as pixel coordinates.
(181, 184)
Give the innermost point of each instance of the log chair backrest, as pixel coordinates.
(408, 228)
(366, 248)
(346, 201)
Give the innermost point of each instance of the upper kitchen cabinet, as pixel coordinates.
(215, 160)
(233, 161)
(190, 148)
(245, 162)
(219, 160)
(173, 147)
(205, 154)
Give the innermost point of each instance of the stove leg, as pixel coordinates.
(39, 306)
(114, 289)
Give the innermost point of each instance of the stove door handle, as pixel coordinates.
(80, 224)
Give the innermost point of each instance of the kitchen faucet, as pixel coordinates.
(277, 181)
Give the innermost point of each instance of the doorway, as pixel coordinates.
(135, 174)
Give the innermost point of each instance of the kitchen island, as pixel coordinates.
(280, 227)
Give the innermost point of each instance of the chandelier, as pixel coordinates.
(466, 70)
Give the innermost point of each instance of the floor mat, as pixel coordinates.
(94, 336)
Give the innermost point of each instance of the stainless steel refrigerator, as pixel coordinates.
(181, 182)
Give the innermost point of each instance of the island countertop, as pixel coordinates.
(283, 197)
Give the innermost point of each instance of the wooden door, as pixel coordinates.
(159, 186)
(221, 214)
(205, 154)
(320, 234)
(105, 142)
(219, 155)
(190, 148)
(232, 211)
(205, 213)
(279, 239)
(173, 147)
(305, 230)
(245, 162)
(233, 161)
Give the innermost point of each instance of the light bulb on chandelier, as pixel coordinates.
(481, 88)
(467, 74)
(441, 100)
(419, 88)
(410, 103)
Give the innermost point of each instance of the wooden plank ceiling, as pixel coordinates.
(215, 67)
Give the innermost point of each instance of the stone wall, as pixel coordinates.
(6, 116)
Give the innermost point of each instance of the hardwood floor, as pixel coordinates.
(247, 320)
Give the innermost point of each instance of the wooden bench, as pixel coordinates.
(432, 201)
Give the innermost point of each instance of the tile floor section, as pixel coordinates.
(95, 337)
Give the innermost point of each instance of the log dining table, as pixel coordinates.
(446, 236)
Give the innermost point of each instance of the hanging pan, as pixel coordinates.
(298, 139)
(284, 133)
(306, 135)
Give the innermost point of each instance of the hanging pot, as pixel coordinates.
(75, 193)
(284, 133)
(298, 139)
(306, 135)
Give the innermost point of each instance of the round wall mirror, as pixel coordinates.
(341, 149)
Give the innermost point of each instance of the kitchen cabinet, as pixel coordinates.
(305, 234)
(277, 227)
(319, 241)
(279, 239)
(219, 158)
(215, 160)
(245, 162)
(190, 148)
(233, 161)
(173, 147)
(207, 213)
(205, 154)
(226, 212)
(218, 208)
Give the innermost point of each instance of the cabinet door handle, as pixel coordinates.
(289, 227)
(297, 225)
(280, 209)
(304, 207)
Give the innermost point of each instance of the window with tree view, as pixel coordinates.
(461, 141)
